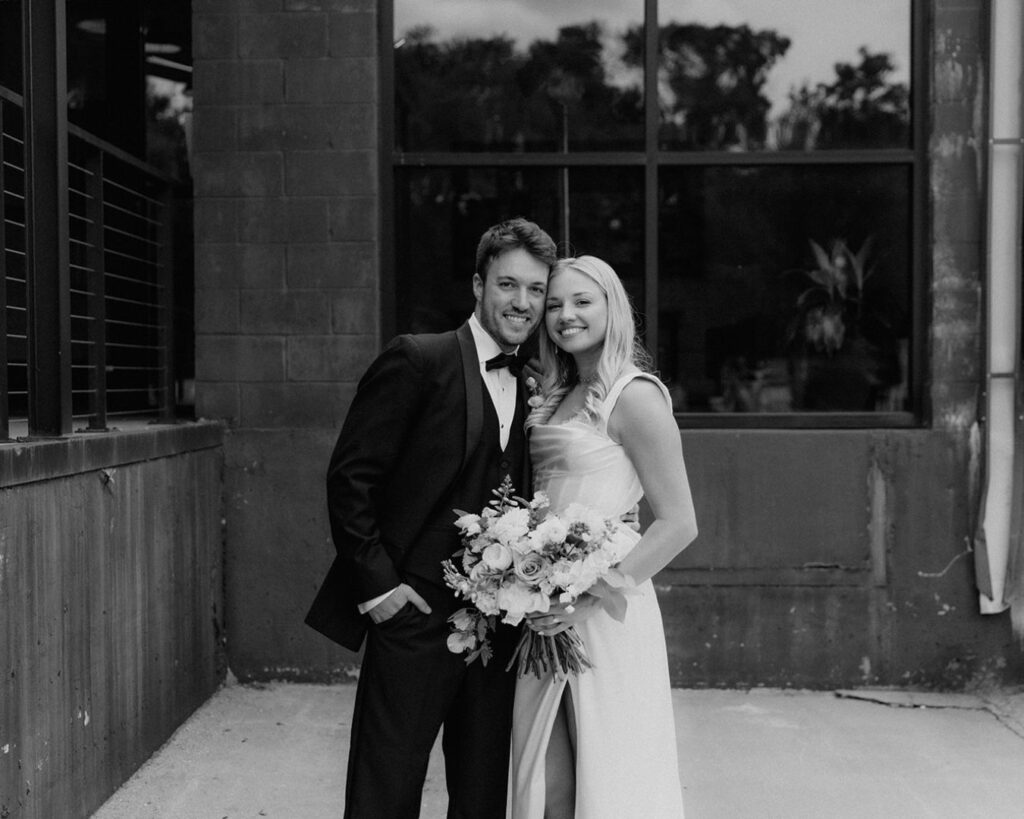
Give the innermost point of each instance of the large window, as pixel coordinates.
(751, 170)
(95, 239)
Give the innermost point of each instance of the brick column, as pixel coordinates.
(286, 215)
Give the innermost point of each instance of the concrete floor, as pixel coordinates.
(279, 751)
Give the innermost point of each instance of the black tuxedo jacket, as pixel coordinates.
(416, 416)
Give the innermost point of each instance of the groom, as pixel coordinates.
(435, 425)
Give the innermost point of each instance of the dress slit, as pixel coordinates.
(560, 771)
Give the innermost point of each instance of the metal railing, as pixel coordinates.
(121, 286)
(13, 296)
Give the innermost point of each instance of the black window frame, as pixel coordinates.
(652, 159)
(80, 196)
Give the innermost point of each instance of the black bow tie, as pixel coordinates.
(503, 360)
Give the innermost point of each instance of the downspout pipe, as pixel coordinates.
(999, 560)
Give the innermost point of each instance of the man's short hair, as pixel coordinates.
(513, 234)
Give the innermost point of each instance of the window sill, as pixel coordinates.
(26, 461)
(798, 420)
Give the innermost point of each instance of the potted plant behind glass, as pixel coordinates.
(844, 349)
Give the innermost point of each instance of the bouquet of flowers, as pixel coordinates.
(518, 556)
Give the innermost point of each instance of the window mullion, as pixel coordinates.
(920, 287)
(388, 162)
(651, 124)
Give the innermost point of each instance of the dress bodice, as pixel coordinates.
(577, 461)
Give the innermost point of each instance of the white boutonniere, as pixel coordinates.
(536, 397)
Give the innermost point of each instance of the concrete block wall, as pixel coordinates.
(288, 316)
(286, 219)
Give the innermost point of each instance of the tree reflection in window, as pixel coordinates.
(711, 81)
(483, 93)
(714, 219)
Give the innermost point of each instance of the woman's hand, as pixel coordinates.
(562, 616)
(602, 595)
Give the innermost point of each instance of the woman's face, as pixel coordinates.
(576, 313)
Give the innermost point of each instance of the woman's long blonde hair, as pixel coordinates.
(621, 350)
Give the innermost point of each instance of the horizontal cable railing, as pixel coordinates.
(13, 285)
(120, 273)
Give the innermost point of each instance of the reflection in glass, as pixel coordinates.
(440, 215)
(10, 46)
(516, 75)
(793, 75)
(785, 288)
(606, 216)
(442, 212)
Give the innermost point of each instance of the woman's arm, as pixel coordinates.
(643, 423)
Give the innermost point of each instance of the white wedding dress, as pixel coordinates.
(626, 762)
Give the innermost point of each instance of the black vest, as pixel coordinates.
(483, 472)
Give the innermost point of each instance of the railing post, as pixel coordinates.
(46, 209)
(165, 276)
(98, 288)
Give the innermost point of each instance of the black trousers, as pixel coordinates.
(410, 685)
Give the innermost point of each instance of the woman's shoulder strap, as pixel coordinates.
(616, 390)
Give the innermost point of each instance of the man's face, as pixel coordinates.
(510, 301)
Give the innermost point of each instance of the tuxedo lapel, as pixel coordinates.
(526, 476)
(474, 391)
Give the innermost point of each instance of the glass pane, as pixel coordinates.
(785, 288)
(168, 68)
(606, 219)
(518, 75)
(10, 46)
(442, 212)
(440, 215)
(788, 75)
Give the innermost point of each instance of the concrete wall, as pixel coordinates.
(830, 559)
(825, 558)
(110, 608)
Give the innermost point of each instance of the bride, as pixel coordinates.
(602, 744)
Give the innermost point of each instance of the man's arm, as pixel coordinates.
(383, 411)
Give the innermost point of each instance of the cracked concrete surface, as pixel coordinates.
(279, 751)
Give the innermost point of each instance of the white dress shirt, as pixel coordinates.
(501, 386)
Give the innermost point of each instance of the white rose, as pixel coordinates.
(497, 557)
(576, 578)
(513, 600)
(517, 601)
